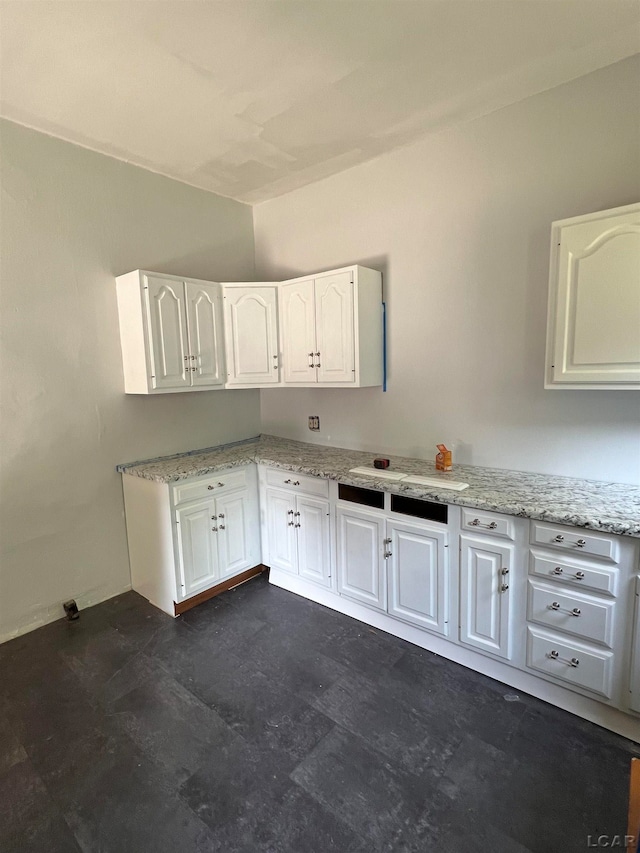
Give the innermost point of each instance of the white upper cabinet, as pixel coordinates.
(251, 334)
(170, 333)
(593, 329)
(331, 329)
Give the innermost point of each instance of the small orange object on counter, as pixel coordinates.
(443, 458)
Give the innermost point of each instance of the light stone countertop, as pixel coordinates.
(592, 504)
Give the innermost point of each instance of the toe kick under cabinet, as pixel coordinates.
(190, 538)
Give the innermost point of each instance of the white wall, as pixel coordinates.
(71, 221)
(459, 225)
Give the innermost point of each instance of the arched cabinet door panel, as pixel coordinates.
(167, 333)
(251, 335)
(204, 313)
(593, 337)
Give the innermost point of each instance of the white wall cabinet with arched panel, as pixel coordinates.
(251, 334)
(171, 333)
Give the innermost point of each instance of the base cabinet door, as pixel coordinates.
(360, 557)
(635, 655)
(485, 619)
(312, 528)
(417, 575)
(234, 540)
(197, 547)
(281, 530)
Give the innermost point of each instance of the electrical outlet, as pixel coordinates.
(314, 423)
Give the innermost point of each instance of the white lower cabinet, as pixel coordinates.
(485, 595)
(299, 534)
(417, 575)
(634, 703)
(188, 537)
(360, 556)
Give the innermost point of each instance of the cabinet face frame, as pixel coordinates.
(562, 302)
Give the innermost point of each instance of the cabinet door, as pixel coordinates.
(197, 547)
(595, 293)
(167, 328)
(251, 335)
(233, 534)
(417, 576)
(281, 531)
(335, 332)
(204, 320)
(297, 312)
(360, 562)
(313, 540)
(484, 595)
(635, 655)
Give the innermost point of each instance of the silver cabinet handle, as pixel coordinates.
(215, 529)
(275, 362)
(555, 655)
(290, 513)
(318, 357)
(477, 523)
(555, 605)
(558, 570)
(504, 571)
(558, 538)
(192, 357)
(221, 515)
(581, 543)
(221, 484)
(288, 481)
(210, 487)
(222, 527)
(504, 587)
(387, 554)
(579, 576)
(387, 541)
(311, 364)
(296, 483)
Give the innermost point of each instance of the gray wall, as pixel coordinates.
(71, 221)
(459, 224)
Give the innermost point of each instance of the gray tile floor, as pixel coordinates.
(263, 722)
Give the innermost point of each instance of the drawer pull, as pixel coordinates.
(287, 481)
(477, 523)
(558, 538)
(210, 487)
(579, 576)
(221, 484)
(555, 655)
(581, 543)
(556, 606)
(557, 570)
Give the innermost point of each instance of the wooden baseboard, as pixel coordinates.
(236, 580)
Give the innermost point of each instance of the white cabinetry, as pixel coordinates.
(634, 703)
(417, 575)
(485, 594)
(298, 527)
(594, 301)
(251, 334)
(360, 559)
(331, 328)
(187, 538)
(170, 333)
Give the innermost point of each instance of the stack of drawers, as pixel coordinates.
(571, 606)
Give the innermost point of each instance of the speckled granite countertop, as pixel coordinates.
(611, 507)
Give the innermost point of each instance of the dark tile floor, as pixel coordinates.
(263, 722)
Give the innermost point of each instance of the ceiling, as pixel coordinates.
(253, 98)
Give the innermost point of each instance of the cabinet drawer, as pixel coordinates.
(570, 573)
(488, 522)
(209, 485)
(298, 482)
(578, 542)
(575, 664)
(579, 615)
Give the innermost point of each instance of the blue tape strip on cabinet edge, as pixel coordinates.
(384, 346)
